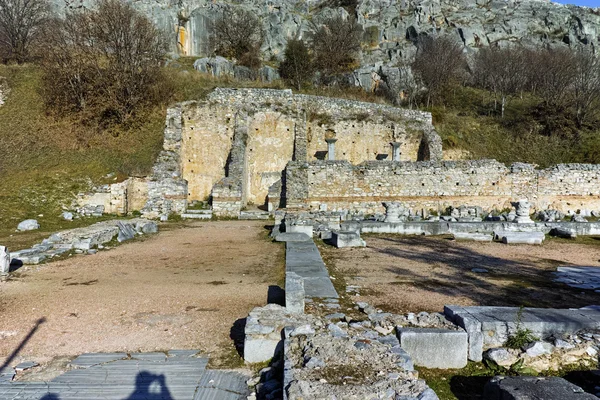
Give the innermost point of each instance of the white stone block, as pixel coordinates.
(435, 348)
(259, 349)
(347, 239)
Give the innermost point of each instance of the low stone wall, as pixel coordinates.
(339, 185)
(118, 198)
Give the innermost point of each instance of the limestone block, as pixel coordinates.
(306, 229)
(259, 349)
(529, 387)
(522, 237)
(292, 237)
(294, 293)
(347, 239)
(475, 236)
(28, 225)
(435, 348)
(4, 260)
(126, 231)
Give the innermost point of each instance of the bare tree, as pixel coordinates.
(502, 71)
(586, 85)
(335, 44)
(297, 66)
(238, 34)
(439, 62)
(20, 23)
(104, 62)
(553, 74)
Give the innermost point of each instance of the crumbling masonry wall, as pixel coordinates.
(436, 185)
(233, 147)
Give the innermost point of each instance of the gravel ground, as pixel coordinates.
(416, 273)
(183, 288)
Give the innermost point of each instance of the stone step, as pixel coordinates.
(196, 216)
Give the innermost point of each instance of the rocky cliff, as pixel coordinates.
(390, 26)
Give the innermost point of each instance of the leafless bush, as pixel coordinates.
(238, 34)
(335, 44)
(20, 24)
(439, 62)
(104, 63)
(502, 71)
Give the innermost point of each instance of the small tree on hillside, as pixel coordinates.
(335, 44)
(502, 71)
(439, 62)
(20, 24)
(238, 34)
(297, 67)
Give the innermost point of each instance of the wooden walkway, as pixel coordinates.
(180, 375)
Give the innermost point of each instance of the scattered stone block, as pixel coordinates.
(520, 237)
(435, 348)
(342, 239)
(67, 216)
(537, 349)
(26, 365)
(28, 225)
(529, 387)
(475, 236)
(4, 260)
(564, 233)
(294, 293)
(307, 229)
(501, 356)
(126, 231)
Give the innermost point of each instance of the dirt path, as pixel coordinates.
(180, 289)
(416, 273)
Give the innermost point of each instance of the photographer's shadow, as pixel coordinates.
(149, 386)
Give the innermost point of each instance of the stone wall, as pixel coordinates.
(167, 190)
(234, 146)
(118, 198)
(437, 185)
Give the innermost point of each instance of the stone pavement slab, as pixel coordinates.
(304, 259)
(144, 376)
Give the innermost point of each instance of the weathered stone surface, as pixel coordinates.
(475, 236)
(28, 225)
(520, 237)
(435, 348)
(501, 356)
(342, 239)
(292, 237)
(294, 293)
(579, 277)
(538, 348)
(528, 387)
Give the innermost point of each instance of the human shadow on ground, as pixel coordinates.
(21, 345)
(449, 272)
(237, 335)
(149, 386)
